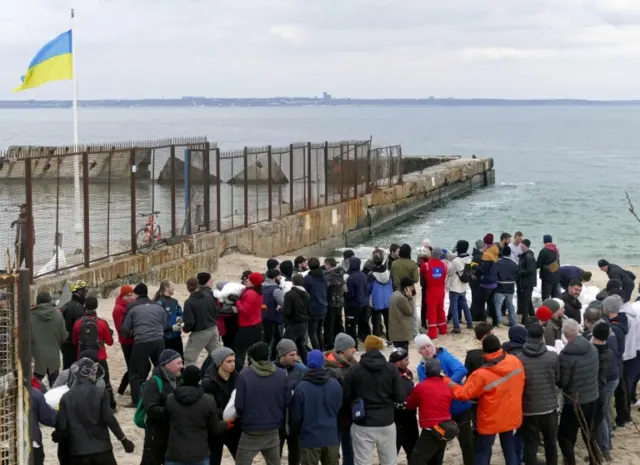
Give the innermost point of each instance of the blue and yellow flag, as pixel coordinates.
(52, 63)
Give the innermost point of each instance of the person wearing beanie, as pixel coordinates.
(375, 386)
(487, 240)
(69, 376)
(315, 284)
(456, 371)
(296, 311)
(93, 333)
(625, 277)
(401, 311)
(459, 274)
(517, 338)
(403, 267)
(273, 264)
(346, 256)
(249, 309)
(72, 311)
(300, 264)
(553, 327)
(272, 316)
(48, 333)
(548, 263)
(356, 302)
(527, 281)
(407, 431)
(124, 297)
(434, 272)
(200, 318)
(495, 416)
(539, 404)
(507, 272)
(333, 323)
(286, 269)
(262, 397)
(314, 413)
(193, 421)
(432, 397)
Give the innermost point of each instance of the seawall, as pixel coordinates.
(311, 232)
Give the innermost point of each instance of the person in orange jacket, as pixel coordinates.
(498, 387)
(434, 272)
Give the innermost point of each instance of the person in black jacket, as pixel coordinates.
(507, 277)
(193, 421)
(296, 311)
(572, 304)
(620, 327)
(406, 421)
(627, 278)
(549, 264)
(333, 323)
(475, 355)
(599, 336)
(375, 387)
(527, 281)
(316, 285)
(220, 382)
(156, 430)
(85, 419)
(41, 413)
(72, 311)
(200, 319)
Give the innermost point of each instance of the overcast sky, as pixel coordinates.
(355, 48)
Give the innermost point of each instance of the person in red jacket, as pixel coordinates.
(93, 333)
(126, 343)
(249, 308)
(432, 397)
(435, 275)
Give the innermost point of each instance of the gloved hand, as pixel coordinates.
(128, 446)
(230, 423)
(400, 406)
(177, 327)
(233, 298)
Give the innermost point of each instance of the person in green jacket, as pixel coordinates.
(404, 267)
(48, 332)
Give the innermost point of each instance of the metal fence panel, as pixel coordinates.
(11, 411)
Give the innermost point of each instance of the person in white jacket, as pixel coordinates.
(631, 362)
(457, 284)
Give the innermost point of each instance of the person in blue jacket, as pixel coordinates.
(164, 298)
(460, 411)
(380, 288)
(356, 302)
(314, 412)
(316, 285)
(570, 272)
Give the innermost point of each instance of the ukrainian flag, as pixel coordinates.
(52, 63)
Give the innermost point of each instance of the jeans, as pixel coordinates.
(603, 429)
(354, 322)
(498, 299)
(376, 318)
(534, 426)
(316, 324)
(457, 302)
(199, 462)
(484, 443)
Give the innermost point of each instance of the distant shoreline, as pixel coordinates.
(279, 102)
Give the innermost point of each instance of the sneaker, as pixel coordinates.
(456, 331)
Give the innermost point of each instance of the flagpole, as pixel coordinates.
(76, 161)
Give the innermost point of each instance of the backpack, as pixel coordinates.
(88, 338)
(467, 274)
(140, 416)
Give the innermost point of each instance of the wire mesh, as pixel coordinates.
(9, 405)
(232, 195)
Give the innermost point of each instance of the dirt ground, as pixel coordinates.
(626, 444)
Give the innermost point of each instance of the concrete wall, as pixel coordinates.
(311, 231)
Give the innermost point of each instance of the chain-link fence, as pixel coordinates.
(10, 405)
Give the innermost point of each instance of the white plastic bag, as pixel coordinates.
(53, 396)
(227, 290)
(229, 412)
(559, 345)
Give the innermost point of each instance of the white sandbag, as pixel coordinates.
(285, 286)
(552, 349)
(53, 396)
(559, 345)
(229, 289)
(229, 412)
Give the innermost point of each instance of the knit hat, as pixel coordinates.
(256, 279)
(43, 298)
(167, 356)
(595, 304)
(91, 304)
(488, 239)
(436, 253)
(343, 342)
(87, 368)
(491, 344)
(612, 304)
(203, 278)
(286, 268)
(259, 352)
(479, 244)
(126, 289)
(315, 359)
(191, 376)
(518, 334)
(272, 264)
(348, 254)
(601, 332)
(220, 355)
(553, 304)
(602, 262)
(535, 331)
(141, 290)
(432, 367)
(526, 242)
(547, 239)
(462, 246)
(373, 343)
(398, 354)
(286, 346)
(422, 340)
(544, 313)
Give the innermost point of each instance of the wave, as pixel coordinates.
(515, 185)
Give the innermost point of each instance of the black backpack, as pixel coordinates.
(88, 337)
(467, 274)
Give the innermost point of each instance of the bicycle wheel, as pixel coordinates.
(157, 235)
(144, 241)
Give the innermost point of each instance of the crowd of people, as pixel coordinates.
(296, 355)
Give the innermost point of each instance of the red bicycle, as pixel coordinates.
(148, 236)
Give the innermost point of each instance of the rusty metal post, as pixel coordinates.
(24, 355)
(132, 187)
(173, 191)
(400, 167)
(206, 185)
(58, 236)
(326, 173)
(218, 206)
(368, 188)
(246, 186)
(85, 204)
(355, 170)
(290, 178)
(269, 161)
(341, 172)
(309, 203)
(111, 154)
(29, 243)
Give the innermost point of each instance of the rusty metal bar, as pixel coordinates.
(270, 195)
(246, 186)
(85, 204)
(341, 172)
(355, 170)
(400, 165)
(57, 236)
(309, 203)
(173, 192)
(108, 206)
(291, 178)
(326, 173)
(24, 356)
(29, 244)
(132, 186)
(206, 186)
(368, 188)
(218, 202)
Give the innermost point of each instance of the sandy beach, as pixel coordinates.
(626, 447)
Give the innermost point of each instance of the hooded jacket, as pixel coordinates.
(315, 407)
(48, 332)
(380, 287)
(200, 312)
(455, 269)
(297, 306)
(402, 267)
(193, 421)
(272, 296)
(548, 260)
(357, 286)
(527, 278)
(377, 383)
(119, 310)
(316, 285)
(403, 415)
(338, 367)
(620, 327)
(579, 370)
(517, 338)
(507, 274)
(41, 412)
(572, 307)
(630, 340)
(154, 401)
(489, 267)
(401, 310)
(475, 356)
(337, 288)
(542, 372)
(174, 310)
